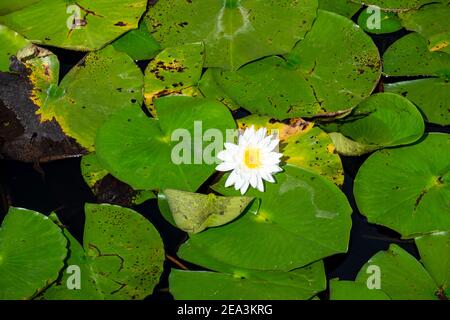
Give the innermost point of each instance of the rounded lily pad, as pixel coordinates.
(407, 189)
(388, 21)
(302, 218)
(409, 56)
(327, 73)
(234, 32)
(299, 284)
(382, 120)
(174, 71)
(121, 258)
(75, 25)
(346, 8)
(141, 151)
(431, 96)
(303, 145)
(32, 252)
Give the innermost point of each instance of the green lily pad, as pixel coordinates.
(194, 212)
(138, 150)
(12, 42)
(8, 6)
(102, 83)
(121, 258)
(299, 284)
(405, 278)
(326, 74)
(409, 56)
(389, 21)
(406, 189)
(432, 23)
(382, 120)
(175, 71)
(234, 32)
(32, 252)
(350, 290)
(302, 218)
(346, 8)
(75, 25)
(139, 43)
(303, 145)
(431, 96)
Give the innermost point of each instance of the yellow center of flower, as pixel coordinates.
(252, 158)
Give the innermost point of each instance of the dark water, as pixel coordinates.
(59, 187)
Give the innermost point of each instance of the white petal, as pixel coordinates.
(260, 184)
(231, 179)
(244, 187)
(226, 166)
(253, 180)
(268, 177)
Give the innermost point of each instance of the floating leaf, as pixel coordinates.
(302, 218)
(32, 252)
(302, 145)
(400, 5)
(431, 96)
(388, 21)
(139, 43)
(410, 56)
(234, 32)
(122, 258)
(194, 212)
(7, 6)
(174, 71)
(407, 189)
(405, 278)
(75, 25)
(210, 89)
(432, 23)
(326, 74)
(382, 120)
(346, 8)
(138, 150)
(299, 284)
(350, 290)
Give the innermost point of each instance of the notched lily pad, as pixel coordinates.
(336, 66)
(175, 71)
(234, 32)
(32, 252)
(379, 22)
(407, 189)
(194, 212)
(76, 25)
(382, 120)
(121, 258)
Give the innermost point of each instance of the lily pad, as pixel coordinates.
(299, 284)
(121, 258)
(175, 71)
(351, 290)
(139, 43)
(138, 150)
(194, 212)
(382, 120)
(431, 96)
(210, 89)
(303, 145)
(406, 189)
(409, 56)
(327, 74)
(346, 8)
(405, 278)
(8, 6)
(75, 25)
(32, 252)
(388, 21)
(102, 83)
(234, 31)
(302, 218)
(431, 22)
(398, 5)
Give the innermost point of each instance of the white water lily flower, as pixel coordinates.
(251, 161)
